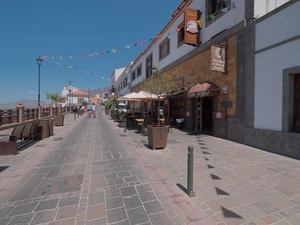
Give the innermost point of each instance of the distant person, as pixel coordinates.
(93, 110)
(89, 109)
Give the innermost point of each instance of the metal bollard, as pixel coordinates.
(190, 176)
(74, 115)
(125, 125)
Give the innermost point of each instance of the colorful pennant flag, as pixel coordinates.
(212, 17)
(200, 23)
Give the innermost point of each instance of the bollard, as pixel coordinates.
(74, 115)
(125, 126)
(190, 176)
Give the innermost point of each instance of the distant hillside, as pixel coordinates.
(26, 103)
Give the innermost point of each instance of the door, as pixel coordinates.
(207, 112)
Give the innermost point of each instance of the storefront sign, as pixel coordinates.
(219, 115)
(191, 31)
(218, 58)
(199, 94)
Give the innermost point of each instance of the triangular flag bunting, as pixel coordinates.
(212, 17)
(178, 30)
(113, 50)
(233, 5)
(127, 46)
(200, 23)
(159, 36)
(135, 44)
(143, 42)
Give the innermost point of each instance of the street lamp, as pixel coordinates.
(70, 91)
(39, 62)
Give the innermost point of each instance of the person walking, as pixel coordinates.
(93, 110)
(89, 108)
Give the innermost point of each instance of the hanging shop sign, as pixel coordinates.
(218, 58)
(192, 29)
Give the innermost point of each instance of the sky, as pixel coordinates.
(72, 30)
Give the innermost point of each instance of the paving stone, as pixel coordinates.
(153, 207)
(112, 203)
(43, 217)
(22, 209)
(101, 221)
(143, 188)
(132, 202)
(95, 211)
(73, 200)
(96, 198)
(137, 216)
(70, 221)
(5, 211)
(45, 205)
(147, 196)
(160, 218)
(115, 181)
(131, 179)
(66, 212)
(116, 215)
(21, 219)
(127, 191)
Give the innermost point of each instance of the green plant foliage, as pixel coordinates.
(160, 85)
(54, 97)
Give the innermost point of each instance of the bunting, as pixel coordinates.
(200, 23)
(79, 70)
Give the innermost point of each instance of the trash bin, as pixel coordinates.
(45, 128)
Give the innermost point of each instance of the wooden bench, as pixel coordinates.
(8, 144)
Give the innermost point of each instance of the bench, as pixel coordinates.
(8, 144)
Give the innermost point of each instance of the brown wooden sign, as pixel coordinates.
(191, 27)
(218, 58)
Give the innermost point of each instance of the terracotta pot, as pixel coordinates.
(157, 136)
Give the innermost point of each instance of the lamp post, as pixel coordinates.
(70, 92)
(39, 62)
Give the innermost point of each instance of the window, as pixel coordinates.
(139, 71)
(164, 49)
(149, 66)
(133, 75)
(125, 82)
(217, 8)
(180, 35)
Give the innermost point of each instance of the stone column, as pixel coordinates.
(20, 109)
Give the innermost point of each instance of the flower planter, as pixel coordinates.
(121, 123)
(59, 120)
(106, 111)
(157, 136)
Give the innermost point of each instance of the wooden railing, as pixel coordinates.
(11, 117)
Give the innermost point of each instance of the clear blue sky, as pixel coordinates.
(33, 28)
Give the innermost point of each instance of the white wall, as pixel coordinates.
(227, 21)
(279, 27)
(269, 65)
(262, 7)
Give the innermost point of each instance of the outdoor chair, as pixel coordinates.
(168, 123)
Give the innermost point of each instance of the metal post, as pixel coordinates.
(125, 125)
(190, 177)
(74, 114)
(39, 62)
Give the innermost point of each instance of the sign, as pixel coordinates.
(218, 58)
(191, 27)
(219, 115)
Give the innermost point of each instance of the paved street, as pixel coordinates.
(92, 172)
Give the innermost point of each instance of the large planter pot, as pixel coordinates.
(59, 120)
(157, 136)
(106, 111)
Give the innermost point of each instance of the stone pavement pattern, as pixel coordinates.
(92, 172)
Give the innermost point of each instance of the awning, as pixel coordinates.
(204, 89)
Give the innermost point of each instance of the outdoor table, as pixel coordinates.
(142, 123)
(132, 119)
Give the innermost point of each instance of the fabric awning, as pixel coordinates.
(204, 89)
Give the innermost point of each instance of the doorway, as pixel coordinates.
(207, 112)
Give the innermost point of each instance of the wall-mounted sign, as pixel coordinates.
(219, 115)
(191, 31)
(218, 58)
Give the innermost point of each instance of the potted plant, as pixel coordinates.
(297, 126)
(158, 85)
